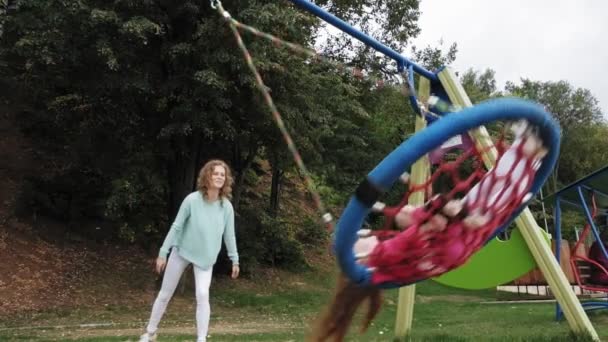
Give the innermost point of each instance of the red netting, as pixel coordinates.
(437, 240)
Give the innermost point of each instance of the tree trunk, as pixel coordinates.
(182, 171)
(275, 188)
(11, 5)
(240, 173)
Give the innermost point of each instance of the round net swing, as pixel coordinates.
(472, 204)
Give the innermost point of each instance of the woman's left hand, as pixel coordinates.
(235, 271)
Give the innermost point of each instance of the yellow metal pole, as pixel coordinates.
(420, 173)
(573, 311)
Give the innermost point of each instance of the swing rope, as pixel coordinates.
(406, 74)
(303, 51)
(325, 215)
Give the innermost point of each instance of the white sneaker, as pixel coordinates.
(147, 337)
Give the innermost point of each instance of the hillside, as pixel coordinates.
(38, 272)
(43, 268)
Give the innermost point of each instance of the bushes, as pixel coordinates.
(267, 241)
(137, 204)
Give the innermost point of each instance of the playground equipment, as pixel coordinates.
(590, 195)
(484, 210)
(480, 272)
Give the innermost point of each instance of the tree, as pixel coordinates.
(480, 86)
(569, 105)
(584, 149)
(124, 100)
(433, 58)
(337, 115)
(578, 114)
(392, 22)
(127, 95)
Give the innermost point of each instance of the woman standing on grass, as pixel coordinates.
(195, 238)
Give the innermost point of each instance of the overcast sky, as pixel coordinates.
(544, 40)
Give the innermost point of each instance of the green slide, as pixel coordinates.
(499, 262)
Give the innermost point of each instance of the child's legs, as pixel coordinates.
(173, 272)
(202, 279)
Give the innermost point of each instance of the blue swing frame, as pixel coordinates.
(577, 195)
(397, 162)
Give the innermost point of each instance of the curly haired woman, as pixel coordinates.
(195, 237)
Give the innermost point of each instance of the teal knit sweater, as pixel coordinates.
(198, 229)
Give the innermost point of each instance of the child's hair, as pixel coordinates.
(334, 323)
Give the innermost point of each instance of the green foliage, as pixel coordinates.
(433, 58)
(311, 233)
(360, 145)
(570, 221)
(582, 123)
(393, 22)
(480, 86)
(130, 202)
(583, 150)
(570, 105)
(269, 241)
(124, 100)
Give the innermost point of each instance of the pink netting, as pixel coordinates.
(436, 242)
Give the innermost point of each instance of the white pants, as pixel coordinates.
(173, 272)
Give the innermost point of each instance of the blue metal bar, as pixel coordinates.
(558, 241)
(412, 89)
(574, 204)
(558, 226)
(581, 181)
(347, 28)
(590, 220)
(588, 306)
(594, 305)
(594, 190)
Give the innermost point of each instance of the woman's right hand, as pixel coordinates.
(160, 265)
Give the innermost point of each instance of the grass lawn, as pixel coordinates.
(282, 309)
